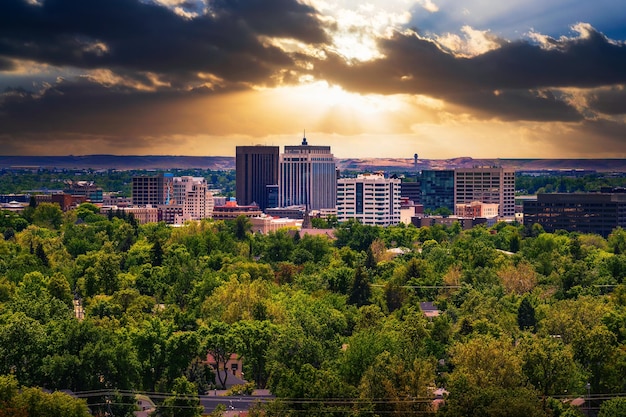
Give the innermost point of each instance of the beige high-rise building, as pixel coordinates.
(194, 196)
(491, 185)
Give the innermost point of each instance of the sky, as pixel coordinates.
(378, 78)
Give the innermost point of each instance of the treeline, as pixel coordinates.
(109, 181)
(531, 184)
(527, 322)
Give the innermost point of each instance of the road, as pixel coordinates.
(239, 403)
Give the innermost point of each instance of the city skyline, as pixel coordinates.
(382, 79)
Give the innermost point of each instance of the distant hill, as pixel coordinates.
(121, 162)
(390, 164)
(164, 162)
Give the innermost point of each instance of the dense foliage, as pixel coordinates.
(527, 318)
(561, 183)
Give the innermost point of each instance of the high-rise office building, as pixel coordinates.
(177, 198)
(148, 190)
(307, 176)
(437, 189)
(492, 185)
(193, 194)
(412, 189)
(597, 213)
(256, 168)
(372, 199)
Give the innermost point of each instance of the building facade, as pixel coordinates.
(266, 224)
(143, 215)
(177, 198)
(86, 189)
(194, 196)
(171, 213)
(307, 176)
(372, 199)
(597, 213)
(256, 169)
(491, 185)
(437, 189)
(477, 209)
(412, 190)
(231, 210)
(65, 201)
(148, 190)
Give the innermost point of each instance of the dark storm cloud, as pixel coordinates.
(513, 105)
(609, 101)
(597, 137)
(93, 109)
(138, 36)
(512, 81)
(6, 65)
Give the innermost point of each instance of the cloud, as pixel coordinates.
(135, 72)
(147, 37)
(517, 80)
(6, 64)
(611, 100)
(474, 42)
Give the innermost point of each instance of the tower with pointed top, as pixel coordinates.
(307, 177)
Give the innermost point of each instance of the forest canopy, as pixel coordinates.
(524, 321)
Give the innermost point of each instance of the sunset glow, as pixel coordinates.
(383, 78)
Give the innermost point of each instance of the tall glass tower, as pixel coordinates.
(256, 168)
(307, 177)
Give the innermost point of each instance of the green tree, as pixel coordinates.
(355, 235)
(59, 287)
(362, 349)
(181, 349)
(22, 344)
(370, 261)
(242, 227)
(156, 253)
(41, 254)
(279, 247)
(487, 362)
(255, 338)
(100, 271)
(221, 343)
(550, 367)
(617, 241)
(48, 215)
(361, 290)
(393, 387)
(526, 319)
(465, 400)
(36, 402)
(184, 401)
(88, 212)
(149, 341)
(615, 407)
(182, 270)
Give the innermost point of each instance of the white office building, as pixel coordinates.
(372, 199)
(307, 177)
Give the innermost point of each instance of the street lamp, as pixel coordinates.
(588, 402)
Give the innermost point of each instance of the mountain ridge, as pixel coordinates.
(165, 162)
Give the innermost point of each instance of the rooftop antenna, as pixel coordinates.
(304, 138)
